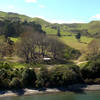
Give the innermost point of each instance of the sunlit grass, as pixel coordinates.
(14, 39)
(74, 43)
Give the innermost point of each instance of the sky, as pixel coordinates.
(55, 11)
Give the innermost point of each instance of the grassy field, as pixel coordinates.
(81, 46)
(74, 43)
(51, 31)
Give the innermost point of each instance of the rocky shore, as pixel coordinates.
(76, 87)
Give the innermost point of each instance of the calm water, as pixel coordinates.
(59, 96)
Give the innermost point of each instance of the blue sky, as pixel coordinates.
(61, 11)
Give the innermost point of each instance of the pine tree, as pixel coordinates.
(58, 32)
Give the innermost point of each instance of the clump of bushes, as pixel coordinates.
(5, 65)
(15, 83)
(92, 81)
(65, 75)
(91, 71)
(43, 77)
(28, 78)
(58, 76)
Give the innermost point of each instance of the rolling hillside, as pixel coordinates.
(92, 28)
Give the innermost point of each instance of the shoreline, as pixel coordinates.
(70, 88)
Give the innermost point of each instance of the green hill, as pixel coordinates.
(40, 21)
(4, 15)
(92, 28)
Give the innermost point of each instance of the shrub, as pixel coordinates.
(15, 83)
(89, 81)
(42, 78)
(91, 69)
(97, 81)
(5, 65)
(4, 84)
(28, 78)
(65, 75)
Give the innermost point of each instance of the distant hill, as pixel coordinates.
(92, 28)
(10, 14)
(40, 21)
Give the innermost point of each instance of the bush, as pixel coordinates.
(15, 83)
(4, 84)
(65, 75)
(5, 65)
(92, 81)
(97, 81)
(42, 78)
(91, 69)
(28, 78)
(72, 53)
(89, 81)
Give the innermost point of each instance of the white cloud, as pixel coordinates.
(31, 1)
(42, 6)
(54, 20)
(68, 22)
(97, 16)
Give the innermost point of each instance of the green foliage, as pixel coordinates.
(15, 83)
(4, 65)
(28, 78)
(4, 84)
(42, 78)
(65, 75)
(72, 53)
(88, 29)
(78, 36)
(58, 32)
(91, 69)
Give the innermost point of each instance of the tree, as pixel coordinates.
(78, 36)
(12, 27)
(28, 78)
(57, 48)
(65, 75)
(58, 32)
(42, 78)
(35, 46)
(28, 46)
(91, 70)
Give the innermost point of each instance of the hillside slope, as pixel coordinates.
(92, 28)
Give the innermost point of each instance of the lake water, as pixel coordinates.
(59, 96)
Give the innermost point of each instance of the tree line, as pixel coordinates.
(34, 43)
(25, 77)
(58, 76)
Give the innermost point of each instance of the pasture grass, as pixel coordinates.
(74, 43)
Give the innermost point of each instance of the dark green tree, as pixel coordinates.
(28, 78)
(78, 36)
(58, 32)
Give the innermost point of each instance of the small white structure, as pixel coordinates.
(46, 59)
